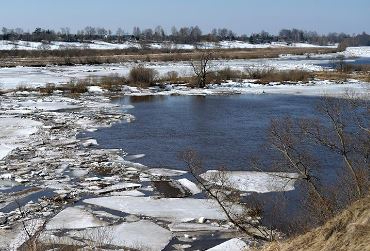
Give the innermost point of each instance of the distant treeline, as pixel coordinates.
(186, 35)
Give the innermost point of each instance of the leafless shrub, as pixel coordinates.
(258, 73)
(229, 200)
(22, 88)
(48, 89)
(142, 76)
(96, 238)
(201, 68)
(342, 133)
(112, 82)
(172, 76)
(75, 86)
(341, 65)
(225, 74)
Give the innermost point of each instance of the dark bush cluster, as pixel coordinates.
(142, 76)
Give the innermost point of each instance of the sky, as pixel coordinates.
(242, 16)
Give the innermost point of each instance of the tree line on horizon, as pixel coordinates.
(186, 35)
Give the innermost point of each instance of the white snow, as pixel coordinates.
(141, 235)
(47, 105)
(235, 244)
(74, 218)
(14, 132)
(172, 209)
(95, 89)
(362, 51)
(11, 78)
(54, 45)
(251, 181)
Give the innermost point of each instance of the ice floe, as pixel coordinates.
(252, 181)
(172, 209)
(74, 218)
(235, 244)
(191, 186)
(191, 227)
(15, 132)
(141, 235)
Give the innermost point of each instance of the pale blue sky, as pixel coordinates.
(242, 16)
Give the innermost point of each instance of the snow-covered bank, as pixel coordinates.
(100, 45)
(313, 88)
(11, 78)
(363, 51)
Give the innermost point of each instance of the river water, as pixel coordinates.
(225, 130)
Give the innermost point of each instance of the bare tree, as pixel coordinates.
(136, 32)
(307, 146)
(201, 68)
(120, 33)
(229, 200)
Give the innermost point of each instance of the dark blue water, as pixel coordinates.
(225, 130)
(355, 61)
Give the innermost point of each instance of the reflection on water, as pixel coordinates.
(130, 100)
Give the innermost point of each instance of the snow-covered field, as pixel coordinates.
(11, 78)
(363, 51)
(54, 45)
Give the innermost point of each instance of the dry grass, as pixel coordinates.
(350, 230)
(71, 57)
(111, 83)
(47, 89)
(75, 87)
(266, 76)
(332, 75)
(226, 74)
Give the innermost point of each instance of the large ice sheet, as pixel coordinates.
(74, 218)
(141, 235)
(251, 181)
(172, 209)
(230, 245)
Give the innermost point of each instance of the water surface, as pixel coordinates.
(225, 130)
